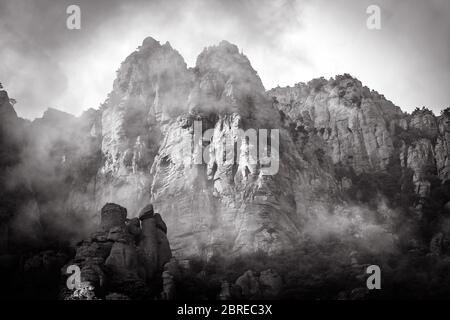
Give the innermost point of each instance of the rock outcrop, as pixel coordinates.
(152, 87)
(365, 133)
(115, 260)
(356, 123)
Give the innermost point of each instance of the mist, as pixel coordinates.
(46, 65)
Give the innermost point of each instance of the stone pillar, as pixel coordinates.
(112, 215)
(149, 241)
(154, 243)
(164, 252)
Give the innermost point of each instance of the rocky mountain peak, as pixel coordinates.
(226, 83)
(150, 42)
(226, 60)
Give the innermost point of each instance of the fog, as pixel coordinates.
(43, 64)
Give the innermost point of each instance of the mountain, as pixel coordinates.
(148, 122)
(233, 169)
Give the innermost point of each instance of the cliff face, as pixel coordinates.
(302, 161)
(211, 205)
(152, 86)
(365, 132)
(357, 124)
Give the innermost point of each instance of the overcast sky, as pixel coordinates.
(43, 64)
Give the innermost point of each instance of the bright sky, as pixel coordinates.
(43, 64)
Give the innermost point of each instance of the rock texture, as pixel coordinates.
(224, 94)
(357, 124)
(152, 86)
(116, 261)
(362, 131)
(350, 163)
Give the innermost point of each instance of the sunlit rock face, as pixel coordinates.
(364, 131)
(220, 206)
(355, 123)
(151, 151)
(420, 158)
(151, 87)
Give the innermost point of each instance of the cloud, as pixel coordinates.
(43, 64)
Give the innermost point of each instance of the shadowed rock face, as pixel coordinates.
(154, 241)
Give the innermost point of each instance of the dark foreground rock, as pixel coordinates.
(124, 258)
